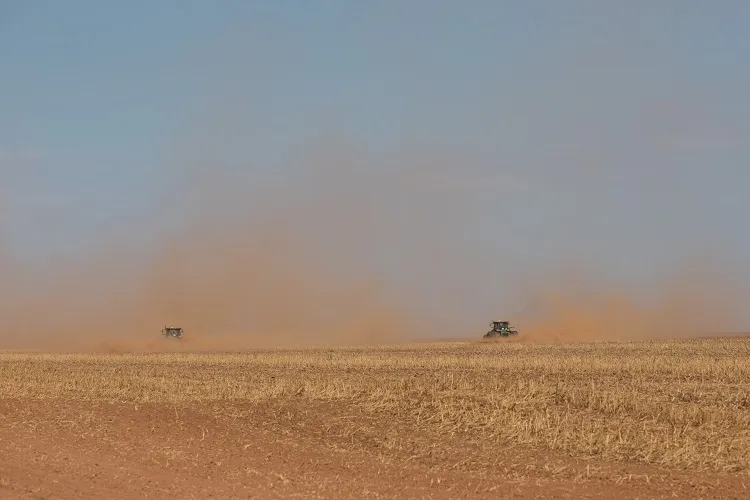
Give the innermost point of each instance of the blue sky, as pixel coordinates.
(617, 133)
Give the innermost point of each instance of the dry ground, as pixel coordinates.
(450, 420)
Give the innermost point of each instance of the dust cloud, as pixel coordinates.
(243, 259)
(343, 250)
(699, 299)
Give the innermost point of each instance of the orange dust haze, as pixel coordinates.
(245, 259)
(696, 300)
(343, 250)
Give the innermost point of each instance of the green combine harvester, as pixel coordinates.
(500, 329)
(172, 332)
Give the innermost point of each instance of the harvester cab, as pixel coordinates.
(500, 329)
(172, 331)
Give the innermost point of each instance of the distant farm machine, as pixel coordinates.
(500, 329)
(172, 332)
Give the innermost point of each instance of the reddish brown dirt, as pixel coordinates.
(291, 449)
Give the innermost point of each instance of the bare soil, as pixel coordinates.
(291, 449)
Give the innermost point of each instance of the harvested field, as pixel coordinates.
(661, 419)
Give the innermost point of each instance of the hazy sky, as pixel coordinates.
(616, 133)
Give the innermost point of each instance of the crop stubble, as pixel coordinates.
(675, 405)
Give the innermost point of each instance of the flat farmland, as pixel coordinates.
(660, 419)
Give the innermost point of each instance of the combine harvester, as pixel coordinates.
(500, 329)
(172, 332)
